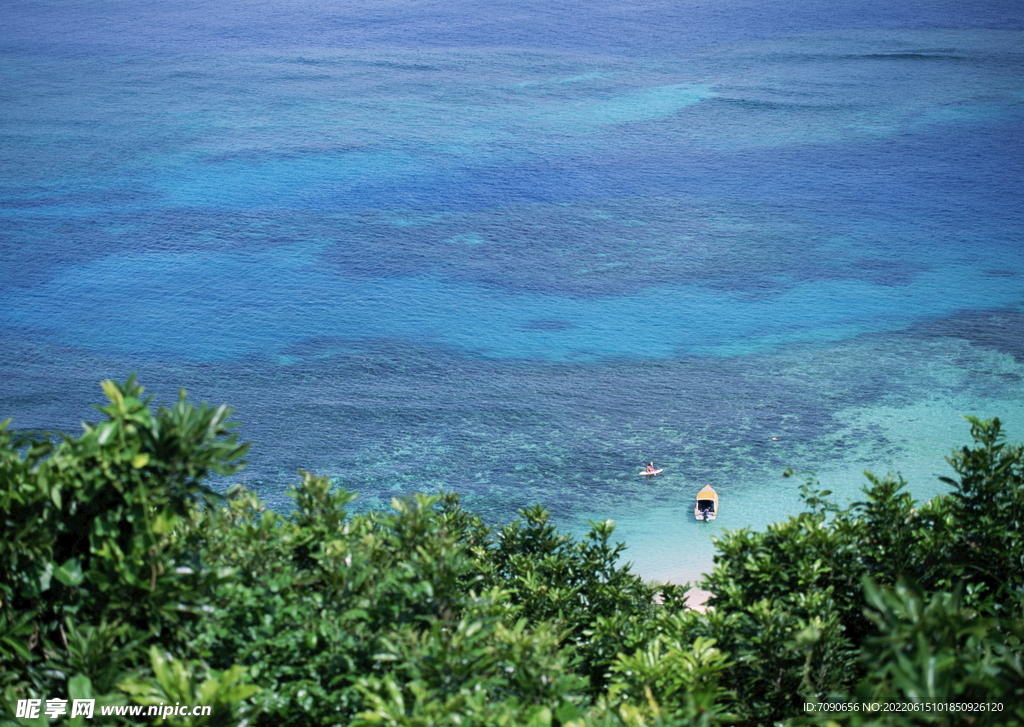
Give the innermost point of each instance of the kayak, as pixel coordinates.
(650, 474)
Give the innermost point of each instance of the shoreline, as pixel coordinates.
(690, 577)
(696, 599)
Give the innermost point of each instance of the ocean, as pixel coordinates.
(519, 250)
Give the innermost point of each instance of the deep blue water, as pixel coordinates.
(517, 250)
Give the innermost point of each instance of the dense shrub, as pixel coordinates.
(803, 607)
(124, 577)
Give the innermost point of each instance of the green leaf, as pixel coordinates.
(46, 576)
(70, 573)
(80, 687)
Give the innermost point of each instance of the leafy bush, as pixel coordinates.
(123, 576)
(791, 607)
(92, 563)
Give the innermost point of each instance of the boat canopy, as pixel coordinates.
(707, 498)
(706, 508)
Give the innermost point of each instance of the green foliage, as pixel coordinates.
(684, 678)
(984, 530)
(90, 556)
(388, 614)
(577, 584)
(477, 671)
(123, 576)
(785, 602)
(934, 650)
(790, 603)
(176, 683)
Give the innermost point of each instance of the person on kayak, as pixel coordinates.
(650, 467)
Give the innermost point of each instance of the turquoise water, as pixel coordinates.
(517, 252)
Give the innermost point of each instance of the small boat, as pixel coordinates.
(706, 508)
